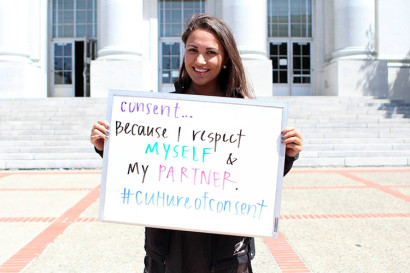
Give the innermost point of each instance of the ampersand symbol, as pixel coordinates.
(230, 160)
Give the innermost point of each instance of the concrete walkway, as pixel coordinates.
(333, 220)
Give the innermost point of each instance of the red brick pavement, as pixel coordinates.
(284, 254)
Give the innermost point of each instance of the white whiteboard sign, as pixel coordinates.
(194, 163)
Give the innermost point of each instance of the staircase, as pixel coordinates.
(351, 131)
(49, 133)
(361, 131)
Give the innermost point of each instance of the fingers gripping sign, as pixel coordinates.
(99, 133)
(293, 140)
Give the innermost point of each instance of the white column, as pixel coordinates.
(122, 63)
(352, 68)
(248, 21)
(319, 46)
(354, 28)
(328, 28)
(39, 45)
(23, 45)
(14, 30)
(119, 32)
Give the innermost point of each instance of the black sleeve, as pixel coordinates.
(289, 163)
(101, 153)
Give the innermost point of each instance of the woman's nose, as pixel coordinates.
(200, 59)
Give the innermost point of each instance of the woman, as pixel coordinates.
(212, 67)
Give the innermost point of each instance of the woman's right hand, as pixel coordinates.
(99, 133)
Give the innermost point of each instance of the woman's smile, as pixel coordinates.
(200, 70)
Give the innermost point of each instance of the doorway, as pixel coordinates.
(70, 73)
(291, 68)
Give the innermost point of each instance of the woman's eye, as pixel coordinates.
(191, 50)
(211, 52)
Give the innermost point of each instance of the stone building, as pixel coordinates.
(67, 48)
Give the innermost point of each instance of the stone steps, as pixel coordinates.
(54, 164)
(49, 133)
(355, 131)
(362, 131)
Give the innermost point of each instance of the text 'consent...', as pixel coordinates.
(171, 111)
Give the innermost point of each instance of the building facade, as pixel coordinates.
(67, 48)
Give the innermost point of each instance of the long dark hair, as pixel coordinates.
(232, 79)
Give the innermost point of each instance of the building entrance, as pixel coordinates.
(71, 69)
(291, 68)
(290, 46)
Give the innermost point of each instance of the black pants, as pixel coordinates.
(152, 266)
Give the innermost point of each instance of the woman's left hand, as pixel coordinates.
(293, 140)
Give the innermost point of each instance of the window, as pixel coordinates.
(289, 18)
(301, 62)
(170, 61)
(74, 18)
(173, 15)
(279, 57)
(62, 63)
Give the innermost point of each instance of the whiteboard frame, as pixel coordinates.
(177, 96)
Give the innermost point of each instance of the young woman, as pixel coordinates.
(212, 67)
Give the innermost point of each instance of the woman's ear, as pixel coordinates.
(226, 60)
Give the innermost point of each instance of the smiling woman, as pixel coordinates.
(211, 66)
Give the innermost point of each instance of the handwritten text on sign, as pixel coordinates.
(193, 163)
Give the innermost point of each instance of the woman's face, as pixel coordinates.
(204, 59)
